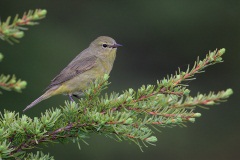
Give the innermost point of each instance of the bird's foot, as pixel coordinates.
(71, 98)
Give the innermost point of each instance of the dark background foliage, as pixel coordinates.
(157, 37)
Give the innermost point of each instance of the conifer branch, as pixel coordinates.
(11, 83)
(12, 31)
(131, 115)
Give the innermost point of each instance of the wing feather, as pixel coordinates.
(73, 69)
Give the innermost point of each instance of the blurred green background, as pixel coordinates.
(157, 37)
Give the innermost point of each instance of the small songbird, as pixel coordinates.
(91, 63)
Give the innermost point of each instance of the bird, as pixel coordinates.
(90, 64)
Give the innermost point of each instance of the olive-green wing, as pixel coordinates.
(73, 69)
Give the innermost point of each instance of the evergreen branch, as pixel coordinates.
(10, 32)
(127, 116)
(211, 58)
(11, 83)
(203, 99)
(173, 84)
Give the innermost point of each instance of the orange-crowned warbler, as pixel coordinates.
(91, 63)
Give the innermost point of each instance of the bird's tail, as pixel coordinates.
(46, 95)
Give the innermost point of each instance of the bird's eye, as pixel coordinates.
(104, 45)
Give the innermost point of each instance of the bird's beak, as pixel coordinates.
(116, 45)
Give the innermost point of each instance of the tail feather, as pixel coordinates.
(38, 100)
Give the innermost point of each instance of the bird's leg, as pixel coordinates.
(78, 97)
(70, 96)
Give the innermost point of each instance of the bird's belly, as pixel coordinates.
(81, 82)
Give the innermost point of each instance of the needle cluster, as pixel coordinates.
(11, 31)
(11, 83)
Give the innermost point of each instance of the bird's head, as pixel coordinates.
(104, 44)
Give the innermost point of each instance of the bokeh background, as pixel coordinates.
(157, 37)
